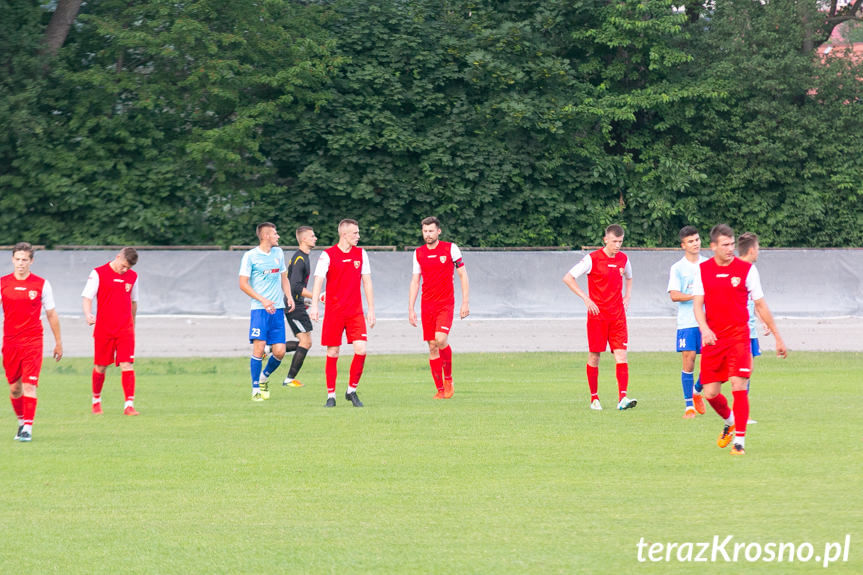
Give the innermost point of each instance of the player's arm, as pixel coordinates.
(316, 294)
(707, 335)
(54, 322)
(627, 293)
(286, 288)
(465, 292)
(679, 296)
(246, 288)
(297, 280)
(766, 316)
(370, 298)
(412, 299)
(90, 291)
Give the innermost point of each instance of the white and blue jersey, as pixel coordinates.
(682, 278)
(753, 328)
(264, 271)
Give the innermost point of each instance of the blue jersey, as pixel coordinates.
(681, 278)
(265, 275)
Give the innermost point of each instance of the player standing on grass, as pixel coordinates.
(606, 304)
(346, 270)
(263, 278)
(23, 295)
(299, 271)
(680, 282)
(722, 291)
(115, 287)
(433, 264)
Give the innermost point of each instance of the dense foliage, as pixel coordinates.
(516, 122)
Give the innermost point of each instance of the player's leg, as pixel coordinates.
(443, 325)
(103, 356)
(31, 366)
(427, 317)
(687, 381)
(596, 342)
(740, 367)
(12, 368)
(618, 337)
(355, 328)
(258, 339)
(301, 326)
(275, 336)
(714, 371)
(331, 338)
(126, 359)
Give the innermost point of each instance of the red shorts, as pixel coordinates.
(606, 332)
(730, 356)
(23, 363)
(436, 318)
(334, 325)
(114, 350)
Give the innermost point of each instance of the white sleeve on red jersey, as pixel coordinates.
(92, 287)
(753, 284)
(134, 293)
(367, 267)
(456, 256)
(582, 267)
(627, 270)
(47, 296)
(416, 264)
(323, 265)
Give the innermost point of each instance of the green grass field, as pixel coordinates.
(513, 475)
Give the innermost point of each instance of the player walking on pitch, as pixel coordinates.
(115, 288)
(680, 282)
(606, 303)
(298, 320)
(433, 265)
(263, 277)
(722, 291)
(23, 295)
(346, 269)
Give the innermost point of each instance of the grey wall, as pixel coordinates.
(803, 283)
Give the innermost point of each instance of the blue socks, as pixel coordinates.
(688, 382)
(255, 368)
(272, 365)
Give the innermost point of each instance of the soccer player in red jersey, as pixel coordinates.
(115, 287)
(606, 303)
(23, 296)
(722, 291)
(347, 272)
(433, 264)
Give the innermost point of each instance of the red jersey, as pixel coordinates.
(605, 283)
(344, 277)
(22, 310)
(726, 295)
(436, 267)
(114, 302)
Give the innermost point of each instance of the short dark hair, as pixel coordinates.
(24, 247)
(263, 225)
(130, 255)
(348, 222)
(746, 242)
(687, 231)
(431, 220)
(615, 230)
(721, 230)
(301, 230)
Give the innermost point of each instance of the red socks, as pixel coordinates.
(18, 406)
(356, 370)
(720, 406)
(622, 372)
(446, 361)
(28, 405)
(98, 382)
(331, 370)
(741, 412)
(593, 381)
(436, 366)
(128, 380)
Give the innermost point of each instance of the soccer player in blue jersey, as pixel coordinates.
(264, 278)
(680, 283)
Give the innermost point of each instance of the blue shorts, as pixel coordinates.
(269, 327)
(756, 349)
(689, 339)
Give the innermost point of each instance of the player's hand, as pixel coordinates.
(781, 351)
(465, 310)
(91, 319)
(626, 302)
(707, 336)
(371, 318)
(58, 352)
(765, 329)
(291, 304)
(412, 317)
(313, 311)
(592, 308)
(269, 306)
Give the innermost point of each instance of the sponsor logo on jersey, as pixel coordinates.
(19, 288)
(735, 281)
(722, 275)
(622, 271)
(118, 280)
(32, 294)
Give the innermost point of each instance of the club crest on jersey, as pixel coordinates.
(32, 294)
(128, 287)
(443, 259)
(356, 264)
(735, 281)
(621, 271)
